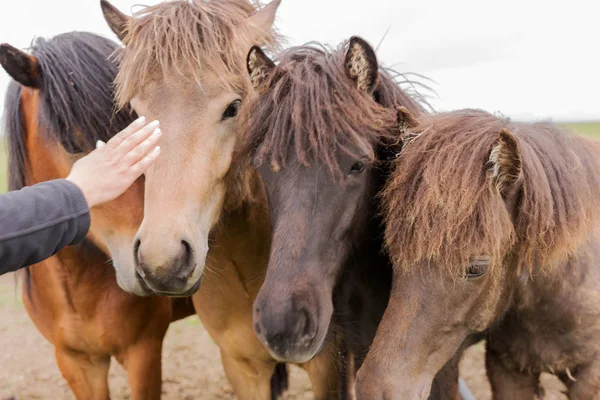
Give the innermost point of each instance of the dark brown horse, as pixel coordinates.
(321, 133)
(59, 105)
(493, 228)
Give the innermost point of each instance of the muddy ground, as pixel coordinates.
(191, 370)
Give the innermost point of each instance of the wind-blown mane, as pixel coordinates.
(312, 107)
(76, 99)
(439, 203)
(187, 38)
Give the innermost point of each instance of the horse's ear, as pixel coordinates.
(22, 67)
(117, 21)
(361, 64)
(259, 66)
(406, 120)
(505, 162)
(264, 18)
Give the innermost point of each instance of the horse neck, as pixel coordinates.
(368, 249)
(76, 277)
(363, 288)
(560, 283)
(84, 262)
(243, 234)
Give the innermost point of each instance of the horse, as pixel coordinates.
(321, 133)
(58, 105)
(492, 227)
(195, 83)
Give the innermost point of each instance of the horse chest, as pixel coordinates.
(80, 335)
(94, 315)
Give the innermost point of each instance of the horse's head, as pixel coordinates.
(314, 134)
(59, 105)
(183, 65)
(473, 205)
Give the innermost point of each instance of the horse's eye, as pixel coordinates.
(357, 167)
(231, 110)
(478, 267)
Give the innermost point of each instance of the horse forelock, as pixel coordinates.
(440, 208)
(313, 110)
(185, 39)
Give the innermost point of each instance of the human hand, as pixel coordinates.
(107, 172)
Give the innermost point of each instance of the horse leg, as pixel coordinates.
(348, 374)
(509, 384)
(86, 375)
(251, 379)
(142, 362)
(324, 372)
(584, 383)
(445, 383)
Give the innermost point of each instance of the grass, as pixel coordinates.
(591, 129)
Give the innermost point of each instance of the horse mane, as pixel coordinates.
(76, 106)
(13, 130)
(439, 205)
(187, 37)
(314, 108)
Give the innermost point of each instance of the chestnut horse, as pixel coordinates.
(321, 134)
(59, 105)
(492, 227)
(183, 64)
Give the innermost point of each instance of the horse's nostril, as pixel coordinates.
(307, 331)
(136, 251)
(185, 263)
(187, 252)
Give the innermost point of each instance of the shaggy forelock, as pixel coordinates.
(313, 110)
(439, 205)
(183, 40)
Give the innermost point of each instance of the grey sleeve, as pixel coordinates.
(38, 221)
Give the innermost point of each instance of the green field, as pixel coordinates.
(591, 129)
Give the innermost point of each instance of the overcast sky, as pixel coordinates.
(528, 59)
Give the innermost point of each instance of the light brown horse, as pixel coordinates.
(60, 103)
(184, 64)
(493, 229)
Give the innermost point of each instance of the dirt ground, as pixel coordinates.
(191, 370)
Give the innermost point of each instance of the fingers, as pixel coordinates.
(133, 140)
(141, 166)
(135, 126)
(142, 149)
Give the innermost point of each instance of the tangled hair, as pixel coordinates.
(440, 205)
(311, 107)
(187, 38)
(76, 106)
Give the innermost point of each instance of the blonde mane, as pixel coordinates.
(187, 38)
